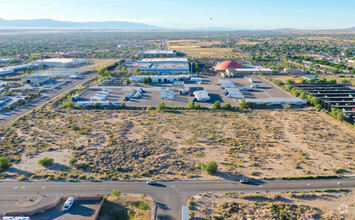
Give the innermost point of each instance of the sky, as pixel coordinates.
(187, 14)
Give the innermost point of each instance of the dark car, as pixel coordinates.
(126, 99)
(191, 94)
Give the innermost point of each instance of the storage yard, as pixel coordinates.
(160, 91)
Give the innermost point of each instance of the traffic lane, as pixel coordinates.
(141, 187)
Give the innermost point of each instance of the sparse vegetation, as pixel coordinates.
(46, 161)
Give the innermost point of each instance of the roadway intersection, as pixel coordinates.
(170, 196)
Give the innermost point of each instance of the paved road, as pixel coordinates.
(9, 116)
(170, 196)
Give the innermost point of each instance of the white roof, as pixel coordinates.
(152, 60)
(60, 60)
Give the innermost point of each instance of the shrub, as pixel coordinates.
(193, 105)
(116, 192)
(290, 82)
(75, 128)
(72, 161)
(123, 106)
(46, 161)
(217, 105)
(4, 163)
(210, 167)
(278, 82)
(161, 106)
(143, 206)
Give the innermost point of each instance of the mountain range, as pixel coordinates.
(49, 23)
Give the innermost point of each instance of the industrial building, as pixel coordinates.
(60, 62)
(155, 78)
(4, 71)
(164, 65)
(57, 73)
(35, 79)
(278, 101)
(157, 53)
(6, 60)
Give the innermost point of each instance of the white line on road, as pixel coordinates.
(43, 187)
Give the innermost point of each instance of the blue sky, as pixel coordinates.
(236, 14)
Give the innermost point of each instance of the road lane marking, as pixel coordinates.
(15, 187)
(23, 187)
(43, 187)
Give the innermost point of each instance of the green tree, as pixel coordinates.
(217, 105)
(210, 167)
(147, 81)
(227, 106)
(46, 161)
(122, 105)
(97, 105)
(4, 163)
(161, 106)
(137, 71)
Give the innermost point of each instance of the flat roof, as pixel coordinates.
(290, 99)
(155, 60)
(156, 51)
(57, 73)
(154, 66)
(60, 60)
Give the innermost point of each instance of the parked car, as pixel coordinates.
(191, 94)
(68, 204)
(244, 181)
(194, 99)
(151, 182)
(184, 91)
(126, 99)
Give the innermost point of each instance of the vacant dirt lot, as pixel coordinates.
(132, 145)
(196, 48)
(96, 64)
(325, 204)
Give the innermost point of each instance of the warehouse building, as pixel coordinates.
(164, 65)
(277, 101)
(155, 79)
(157, 53)
(60, 62)
(58, 73)
(35, 79)
(6, 60)
(4, 71)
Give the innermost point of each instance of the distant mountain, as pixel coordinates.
(213, 28)
(49, 23)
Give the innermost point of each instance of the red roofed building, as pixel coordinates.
(223, 66)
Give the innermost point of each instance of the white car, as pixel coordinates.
(244, 181)
(151, 182)
(68, 204)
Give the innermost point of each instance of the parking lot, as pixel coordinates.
(151, 96)
(81, 210)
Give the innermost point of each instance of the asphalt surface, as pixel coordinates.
(9, 116)
(170, 196)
